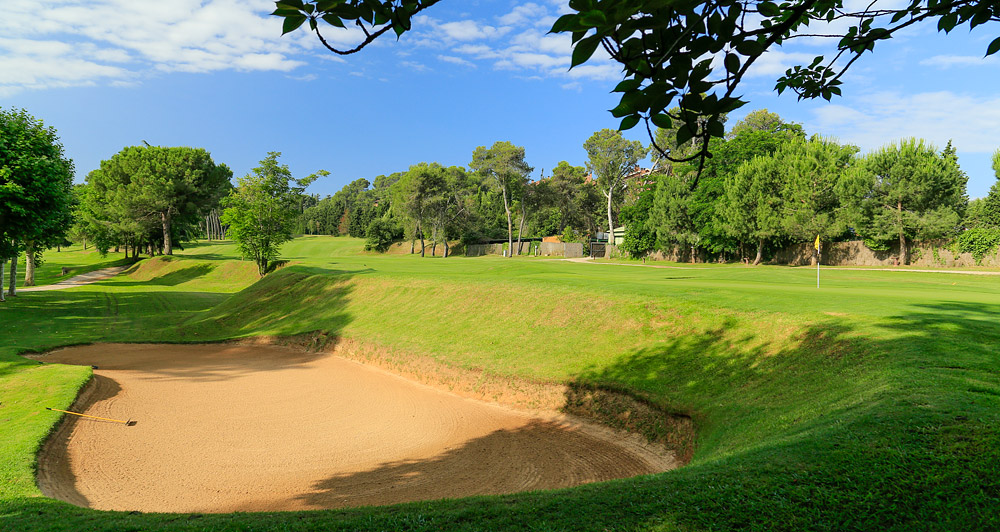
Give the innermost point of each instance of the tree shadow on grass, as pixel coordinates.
(173, 278)
(849, 426)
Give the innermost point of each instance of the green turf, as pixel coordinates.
(872, 403)
(76, 259)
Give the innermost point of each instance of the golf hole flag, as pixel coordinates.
(817, 261)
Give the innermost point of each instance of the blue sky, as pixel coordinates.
(216, 74)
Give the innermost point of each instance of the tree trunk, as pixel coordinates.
(12, 290)
(168, 248)
(412, 240)
(1, 281)
(902, 237)
(29, 265)
(510, 225)
(85, 243)
(446, 248)
(611, 227)
(520, 228)
(760, 251)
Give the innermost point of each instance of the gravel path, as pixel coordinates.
(79, 280)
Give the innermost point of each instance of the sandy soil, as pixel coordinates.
(79, 280)
(222, 428)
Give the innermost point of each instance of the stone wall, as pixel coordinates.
(931, 254)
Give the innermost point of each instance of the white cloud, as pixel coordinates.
(529, 13)
(948, 61)
(55, 43)
(776, 62)
(456, 60)
(520, 43)
(972, 123)
(414, 65)
(468, 30)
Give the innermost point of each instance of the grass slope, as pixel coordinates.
(872, 403)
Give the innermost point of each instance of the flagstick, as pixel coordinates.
(819, 258)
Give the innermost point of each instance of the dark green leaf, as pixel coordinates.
(768, 9)
(333, 20)
(594, 17)
(994, 47)
(292, 23)
(662, 120)
(628, 85)
(749, 48)
(684, 134)
(628, 122)
(565, 23)
(732, 63)
(584, 49)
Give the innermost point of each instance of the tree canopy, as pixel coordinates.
(261, 210)
(36, 188)
(907, 190)
(668, 50)
(151, 189)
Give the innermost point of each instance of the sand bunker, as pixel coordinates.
(223, 428)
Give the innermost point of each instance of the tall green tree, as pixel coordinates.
(163, 185)
(413, 200)
(753, 204)
(610, 159)
(36, 196)
(670, 217)
(261, 210)
(504, 167)
(749, 204)
(576, 198)
(907, 190)
(812, 171)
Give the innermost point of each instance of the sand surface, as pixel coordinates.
(79, 280)
(222, 428)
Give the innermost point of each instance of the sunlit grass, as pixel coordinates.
(872, 402)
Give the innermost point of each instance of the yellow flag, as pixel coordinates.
(817, 242)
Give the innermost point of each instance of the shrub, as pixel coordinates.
(381, 234)
(979, 241)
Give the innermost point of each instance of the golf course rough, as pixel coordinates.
(225, 428)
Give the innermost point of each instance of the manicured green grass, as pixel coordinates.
(75, 258)
(872, 403)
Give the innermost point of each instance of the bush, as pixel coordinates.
(381, 234)
(638, 242)
(979, 241)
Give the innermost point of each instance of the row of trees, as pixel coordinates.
(767, 185)
(495, 198)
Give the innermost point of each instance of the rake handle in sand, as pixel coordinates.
(91, 417)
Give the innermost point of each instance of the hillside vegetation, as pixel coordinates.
(871, 403)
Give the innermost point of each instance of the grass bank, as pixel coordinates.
(872, 403)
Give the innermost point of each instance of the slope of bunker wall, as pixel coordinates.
(257, 427)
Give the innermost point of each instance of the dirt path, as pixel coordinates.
(79, 280)
(223, 428)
